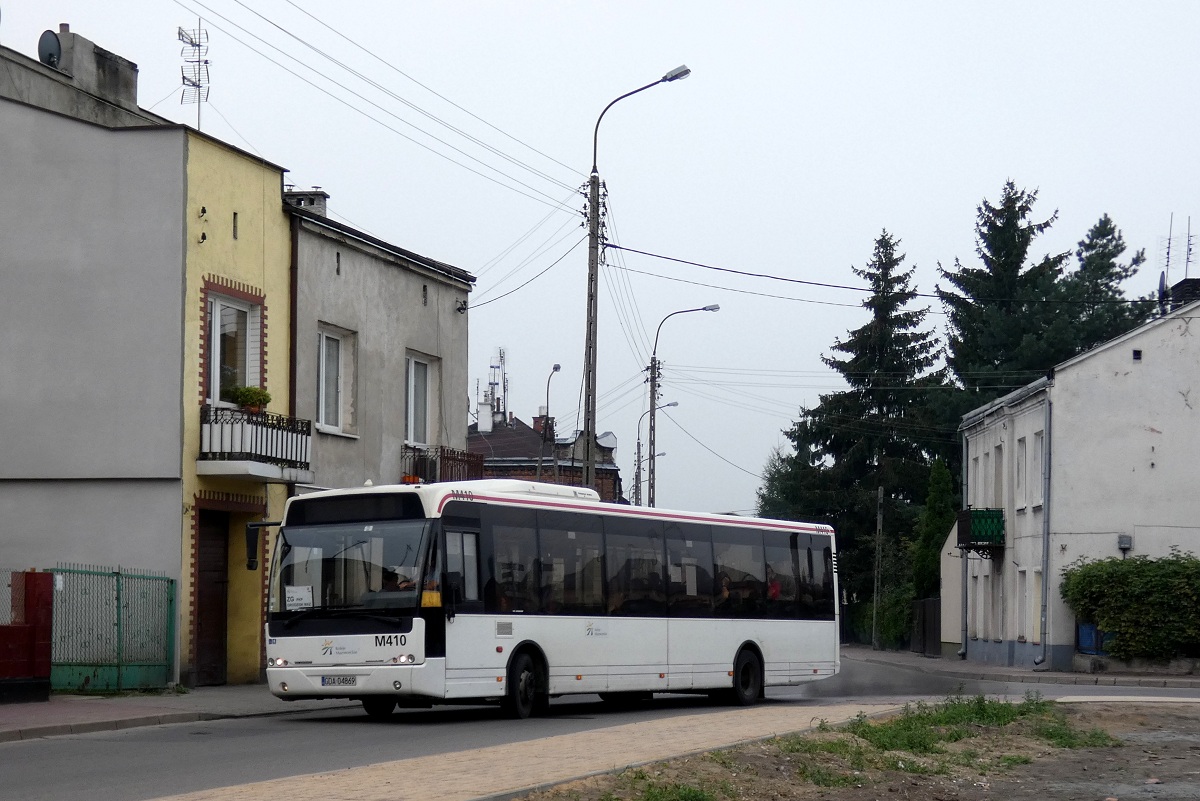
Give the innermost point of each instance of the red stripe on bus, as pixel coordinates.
(634, 512)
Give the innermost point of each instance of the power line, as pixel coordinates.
(531, 280)
(547, 201)
(710, 450)
(871, 290)
(400, 99)
(396, 69)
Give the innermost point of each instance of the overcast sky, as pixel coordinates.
(804, 130)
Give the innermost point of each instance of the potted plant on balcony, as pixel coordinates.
(252, 399)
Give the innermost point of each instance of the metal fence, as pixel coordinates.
(114, 629)
(12, 587)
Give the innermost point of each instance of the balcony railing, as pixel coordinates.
(439, 464)
(235, 435)
(982, 531)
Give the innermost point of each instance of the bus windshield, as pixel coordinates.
(376, 565)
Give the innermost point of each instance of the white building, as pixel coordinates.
(1096, 460)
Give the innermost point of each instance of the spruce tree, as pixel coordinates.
(1004, 322)
(936, 519)
(871, 434)
(1102, 310)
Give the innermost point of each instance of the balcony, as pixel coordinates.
(254, 446)
(428, 466)
(982, 531)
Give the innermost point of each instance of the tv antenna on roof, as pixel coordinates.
(195, 67)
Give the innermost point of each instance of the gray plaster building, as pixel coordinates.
(380, 354)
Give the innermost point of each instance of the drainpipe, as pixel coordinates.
(964, 553)
(1046, 439)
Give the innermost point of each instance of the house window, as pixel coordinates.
(973, 481)
(1020, 480)
(330, 381)
(1035, 469)
(335, 379)
(998, 482)
(235, 225)
(1022, 605)
(416, 428)
(234, 347)
(984, 500)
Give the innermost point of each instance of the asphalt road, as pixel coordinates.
(152, 762)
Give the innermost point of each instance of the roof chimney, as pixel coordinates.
(97, 71)
(313, 199)
(1185, 292)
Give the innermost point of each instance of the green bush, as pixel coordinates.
(1151, 606)
(250, 396)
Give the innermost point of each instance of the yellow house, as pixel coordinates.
(237, 464)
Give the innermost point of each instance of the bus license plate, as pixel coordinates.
(339, 681)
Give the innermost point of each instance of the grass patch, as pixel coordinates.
(823, 776)
(1012, 760)
(676, 792)
(1058, 732)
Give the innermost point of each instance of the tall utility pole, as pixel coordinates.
(878, 553)
(637, 476)
(589, 349)
(654, 367)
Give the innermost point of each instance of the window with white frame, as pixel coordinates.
(234, 347)
(1035, 469)
(973, 481)
(1020, 474)
(998, 478)
(329, 383)
(416, 427)
(335, 379)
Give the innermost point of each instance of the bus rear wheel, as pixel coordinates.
(378, 707)
(522, 697)
(747, 679)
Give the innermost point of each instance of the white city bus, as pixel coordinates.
(515, 592)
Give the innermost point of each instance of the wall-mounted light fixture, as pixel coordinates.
(203, 211)
(203, 237)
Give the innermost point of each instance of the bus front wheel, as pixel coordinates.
(747, 679)
(378, 707)
(521, 698)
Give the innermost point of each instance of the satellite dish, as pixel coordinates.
(1162, 292)
(49, 49)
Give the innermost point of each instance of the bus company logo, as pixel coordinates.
(327, 648)
(595, 630)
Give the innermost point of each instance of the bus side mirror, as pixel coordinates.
(252, 542)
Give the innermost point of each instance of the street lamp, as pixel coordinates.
(546, 422)
(637, 468)
(589, 349)
(654, 388)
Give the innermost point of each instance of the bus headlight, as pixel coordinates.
(276, 662)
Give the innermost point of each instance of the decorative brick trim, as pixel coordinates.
(229, 502)
(187, 668)
(234, 289)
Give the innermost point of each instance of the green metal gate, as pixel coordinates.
(114, 629)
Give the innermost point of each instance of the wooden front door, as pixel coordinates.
(212, 597)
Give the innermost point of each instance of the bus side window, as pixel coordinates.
(462, 566)
(741, 572)
(510, 551)
(572, 575)
(689, 570)
(635, 555)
